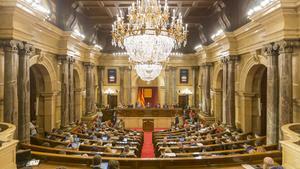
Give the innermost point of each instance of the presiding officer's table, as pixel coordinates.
(135, 118)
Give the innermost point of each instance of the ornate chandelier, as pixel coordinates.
(148, 72)
(148, 34)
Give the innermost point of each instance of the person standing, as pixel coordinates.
(32, 127)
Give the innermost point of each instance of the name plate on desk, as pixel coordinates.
(148, 112)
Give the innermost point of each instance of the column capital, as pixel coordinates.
(101, 67)
(71, 60)
(287, 46)
(230, 58)
(27, 49)
(63, 58)
(88, 64)
(207, 64)
(170, 68)
(11, 45)
(271, 49)
(196, 67)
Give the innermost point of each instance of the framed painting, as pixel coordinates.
(112, 75)
(184, 76)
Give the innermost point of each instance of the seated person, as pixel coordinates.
(270, 164)
(127, 152)
(165, 152)
(113, 164)
(97, 160)
(249, 149)
(259, 147)
(193, 143)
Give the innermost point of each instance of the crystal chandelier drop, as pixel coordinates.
(148, 72)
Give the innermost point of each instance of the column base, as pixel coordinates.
(89, 117)
(207, 118)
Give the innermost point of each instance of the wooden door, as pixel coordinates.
(112, 101)
(183, 101)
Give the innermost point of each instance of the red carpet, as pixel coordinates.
(147, 150)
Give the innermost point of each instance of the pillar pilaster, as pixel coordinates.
(89, 101)
(65, 100)
(231, 89)
(100, 70)
(286, 80)
(24, 93)
(272, 53)
(206, 88)
(11, 56)
(122, 85)
(71, 92)
(196, 86)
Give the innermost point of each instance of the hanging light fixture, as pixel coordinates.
(148, 72)
(149, 35)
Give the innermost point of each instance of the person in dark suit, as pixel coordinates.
(176, 119)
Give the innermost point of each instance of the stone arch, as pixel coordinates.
(43, 92)
(217, 88)
(253, 95)
(78, 104)
(216, 83)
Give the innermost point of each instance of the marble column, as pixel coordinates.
(196, 85)
(64, 81)
(201, 89)
(272, 94)
(71, 91)
(224, 92)
(122, 85)
(167, 85)
(24, 93)
(231, 90)
(89, 102)
(127, 85)
(286, 81)
(10, 48)
(173, 92)
(206, 88)
(100, 70)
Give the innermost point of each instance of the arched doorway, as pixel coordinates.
(77, 95)
(218, 95)
(256, 99)
(41, 98)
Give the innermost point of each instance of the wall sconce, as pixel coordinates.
(185, 91)
(110, 91)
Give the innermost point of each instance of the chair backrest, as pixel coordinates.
(23, 156)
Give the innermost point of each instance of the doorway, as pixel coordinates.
(112, 101)
(183, 101)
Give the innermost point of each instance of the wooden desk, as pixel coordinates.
(134, 118)
(151, 112)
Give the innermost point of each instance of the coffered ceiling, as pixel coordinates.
(104, 11)
(204, 17)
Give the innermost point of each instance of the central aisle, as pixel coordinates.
(147, 150)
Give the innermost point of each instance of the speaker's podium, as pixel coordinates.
(148, 118)
(148, 124)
